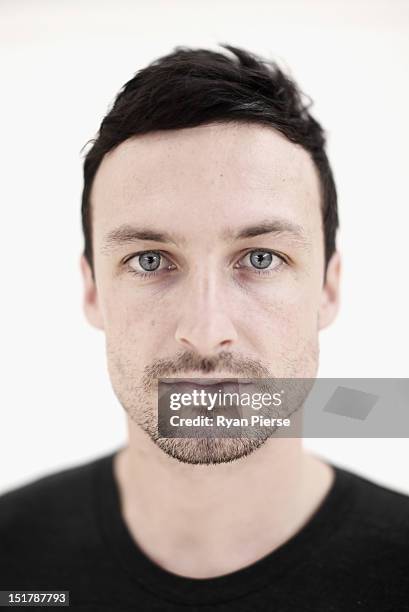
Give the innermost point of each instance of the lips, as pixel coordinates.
(222, 395)
(196, 381)
(205, 382)
(190, 386)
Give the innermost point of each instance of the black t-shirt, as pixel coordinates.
(65, 532)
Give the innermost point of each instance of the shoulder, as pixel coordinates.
(55, 488)
(380, 504)
(48, 508)
(376, 524)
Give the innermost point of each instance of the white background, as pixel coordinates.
(62, 63)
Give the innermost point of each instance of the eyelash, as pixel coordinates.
(259, 272)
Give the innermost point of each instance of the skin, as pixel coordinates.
(210, 315)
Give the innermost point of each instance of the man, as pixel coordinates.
(210, 215)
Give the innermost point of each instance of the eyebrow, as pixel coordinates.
(270, 226)
(128, 234)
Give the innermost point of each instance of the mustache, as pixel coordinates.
(236, 364)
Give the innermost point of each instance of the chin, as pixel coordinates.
(208, 451)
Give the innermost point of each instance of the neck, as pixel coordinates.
(217, 518)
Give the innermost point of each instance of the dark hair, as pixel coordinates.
(191, 87)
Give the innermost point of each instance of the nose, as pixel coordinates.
(205, 323)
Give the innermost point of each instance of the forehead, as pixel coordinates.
(205, 176)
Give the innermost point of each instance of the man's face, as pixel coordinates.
(209, 260)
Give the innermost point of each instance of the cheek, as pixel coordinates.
(287, 326)
(285, 308)
(290, 340)
(283, 321)
(133, 320)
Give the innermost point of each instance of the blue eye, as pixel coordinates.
(262, 262)
(147, 264)
(261, 259)
(149, 261)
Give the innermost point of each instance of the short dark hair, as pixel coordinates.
(191, 87)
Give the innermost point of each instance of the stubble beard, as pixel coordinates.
(140, 402)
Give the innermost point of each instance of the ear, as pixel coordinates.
(330, 293)
(90, 302)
